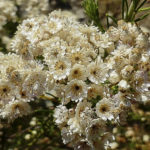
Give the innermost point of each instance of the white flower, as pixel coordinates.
(97, 72)
(53, 48)
(59, 91)
(145, 87)
(60, 68)
(67, 136)
(76, 90)
(35, 84)
(101, 40)
(28, 26)
(91, 55)
(141, 41)
(74, 125)
(27, 136)
(61, 114)
(144, 98)
(96, 129)
(95, 90)
(114, 77)
(15, 109)
(114, 33)
(104, 109)
(145, 59)
(81, 106)
(123, 85)
(7, 90)
(77, 56)
(78, 72)
(33, 123)
(114, 145)
(126, 71)
(86, 117)
(53, 25)
(144, 92)
(146, 138)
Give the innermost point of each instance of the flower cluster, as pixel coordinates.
(20, 82)
(30, 8)
(96, 76)
(7, 12)
(17, 10)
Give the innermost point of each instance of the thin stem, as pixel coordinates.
(144, 9)
(111, 17)
(52, 95)
(107, 21)
(143, 17)
(123, 9)
(101, 27)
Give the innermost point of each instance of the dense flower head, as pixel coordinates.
(26, 8)
(96, 76)
(20, 82)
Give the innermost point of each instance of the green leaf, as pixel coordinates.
(135, 3)
(134, 7)
(113, 18)
(144, 9)
(91, 9)
(94, 101)
(106, 82)
(125, 8)
(107, 21)
(123, 2)
(114, 89)
(142, 17)
(129, 14)
(141, 5)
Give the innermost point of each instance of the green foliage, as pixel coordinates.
(105, 53)
(114, 89)
(71, 105)
(2, 47)
(92, 11)
(10, 28)
(112, 18)
(130, 11)
(94, 101)
(106, 82)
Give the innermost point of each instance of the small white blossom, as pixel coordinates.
(123, 85)
(61, 114)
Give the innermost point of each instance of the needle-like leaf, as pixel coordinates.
(113, 18)
(142, 17)
(141, 5)
(144, 9)
(92, 11)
